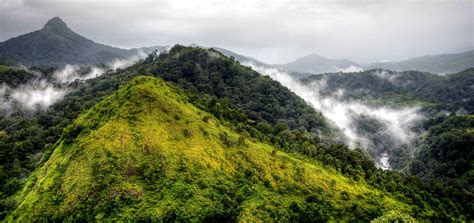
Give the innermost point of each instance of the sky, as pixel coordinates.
(271, 31)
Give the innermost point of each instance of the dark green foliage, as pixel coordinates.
(186, 133)
(446, 153)
(233, 92)
(447, 150)
(15, 77)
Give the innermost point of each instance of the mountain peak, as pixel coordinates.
(55, 24)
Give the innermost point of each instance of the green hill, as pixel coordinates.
(145, 153)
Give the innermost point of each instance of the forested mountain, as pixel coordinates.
(452, 92)
(316, 64)
(146, 154)
(56, 45)
(267, 143)
(437, 64)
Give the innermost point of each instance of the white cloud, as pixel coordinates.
(124, 63)
(70, 73)
(350, 69)
(37, 94)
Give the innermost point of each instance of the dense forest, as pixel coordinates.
(271, 115)
(446, 151)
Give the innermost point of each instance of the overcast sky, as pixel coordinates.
(272, 31)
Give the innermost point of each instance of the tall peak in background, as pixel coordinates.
(56, 24)
(57, 45)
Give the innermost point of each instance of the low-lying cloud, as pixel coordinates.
(40, 92)
(70, 73)
(124, 63)
(395, 124)
(350, 69)
(33, 96)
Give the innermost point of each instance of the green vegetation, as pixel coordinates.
(394, 216)
(14, 77)
(233, 109)
(4, 69)
(129, 158)
(233, 92)
(446, 152)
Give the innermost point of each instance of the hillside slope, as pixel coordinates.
(145, 153)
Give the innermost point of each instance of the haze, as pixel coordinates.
(272, 31)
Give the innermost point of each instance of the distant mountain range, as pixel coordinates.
(56, 45)
(438, 64)
(317, 64)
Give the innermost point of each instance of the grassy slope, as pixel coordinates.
(4, 68)
(145, 152)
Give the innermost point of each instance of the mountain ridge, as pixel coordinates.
(438, 64)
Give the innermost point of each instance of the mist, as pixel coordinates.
(70, 73)
(36, 95)
(40, 92)
(394, 125)
(124, 63)
(351, 68)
